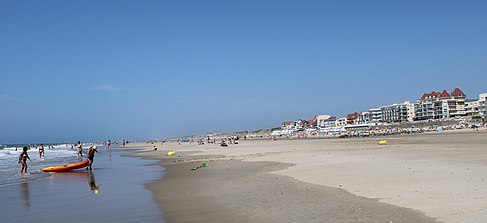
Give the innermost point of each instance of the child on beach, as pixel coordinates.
(80, 149)
(23, 159)
(91, 156)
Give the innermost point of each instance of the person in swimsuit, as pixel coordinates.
(108, 144)
(91, 156)
(23, 159)
(41, 151)
(80, 149)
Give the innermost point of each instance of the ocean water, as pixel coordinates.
(113, 192)
(54, 155)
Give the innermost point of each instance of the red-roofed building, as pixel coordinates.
(357, 118)
(313, 121)
(439, 105)
(458, 93)
(301, 124)
(353, 118)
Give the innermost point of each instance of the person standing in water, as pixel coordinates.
(91, 156)
(23, 159)
(108, 144)
(41, 151)
(80, 149)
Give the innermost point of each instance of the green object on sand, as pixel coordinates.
(202, 166)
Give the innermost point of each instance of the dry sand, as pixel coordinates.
(415, 178)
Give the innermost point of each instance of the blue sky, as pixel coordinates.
(98, 70)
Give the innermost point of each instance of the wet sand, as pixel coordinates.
(236, 191)
(415, 178)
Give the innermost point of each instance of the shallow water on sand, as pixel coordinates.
(55, 155)
(113, 192)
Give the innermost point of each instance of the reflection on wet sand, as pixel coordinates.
(93, 187)
(24, 189)
(77, 176)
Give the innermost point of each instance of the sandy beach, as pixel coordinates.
(429, 177)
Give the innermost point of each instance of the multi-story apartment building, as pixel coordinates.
(439, 105)
(403, 112)
(483, 104)
(472, 107)
(375, 115)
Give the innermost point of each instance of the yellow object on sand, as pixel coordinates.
(171, 153)
(383, 142)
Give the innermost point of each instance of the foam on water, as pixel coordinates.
(54, 155)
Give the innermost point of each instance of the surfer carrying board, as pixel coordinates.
(91, 156)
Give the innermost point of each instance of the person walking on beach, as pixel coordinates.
(23, 159)
(80, 149)
(41, 151)
(91, 156)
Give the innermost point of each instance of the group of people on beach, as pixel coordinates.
(24, 156)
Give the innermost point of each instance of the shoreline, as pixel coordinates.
(208, 194)
(113, 192)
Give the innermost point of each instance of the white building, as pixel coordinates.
(472, 107)
(324, 121)
(403, 112)
(375, 115)
(288, 125)
(365, 117)
(341, 122)
(482, 104)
